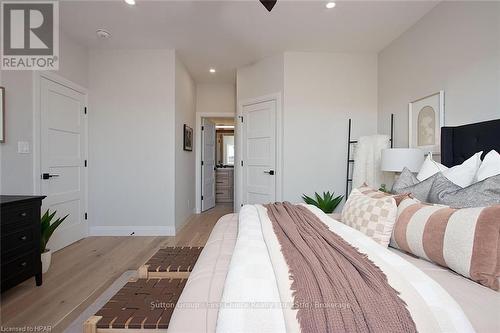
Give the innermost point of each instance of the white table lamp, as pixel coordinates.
(396, 159)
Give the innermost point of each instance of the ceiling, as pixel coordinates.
(226, 35)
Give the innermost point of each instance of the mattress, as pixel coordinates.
(481, 305)
(197, 308)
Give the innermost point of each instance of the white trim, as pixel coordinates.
(279, 146)
(197, 150)
(129, 230)
(36, 150)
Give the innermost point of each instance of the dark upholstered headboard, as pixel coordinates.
(461, 142)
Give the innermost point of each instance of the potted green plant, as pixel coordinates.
(47, 229)
(327, 203)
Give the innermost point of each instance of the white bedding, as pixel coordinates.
(257, 283)
(250, 280)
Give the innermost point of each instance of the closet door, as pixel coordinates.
(259, 153)
(208, 165)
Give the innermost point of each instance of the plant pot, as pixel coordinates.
(46, 258)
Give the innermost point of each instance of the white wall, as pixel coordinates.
(17, 169)
(74, 61)
(322, 91)
(185, 98)
(455, 48)
(132, 142)
(216, 98)
(262, 78)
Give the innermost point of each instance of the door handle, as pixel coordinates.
(48, 175)
(270, 172)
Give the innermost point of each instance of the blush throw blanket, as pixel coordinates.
(335, 288)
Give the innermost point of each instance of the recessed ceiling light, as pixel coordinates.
(103, 34)
(212, 70)
(130, 2)
(330, 5)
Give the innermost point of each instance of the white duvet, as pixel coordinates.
(257, 296)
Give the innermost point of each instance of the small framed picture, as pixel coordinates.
(426, 117)
(2, 116)
(188, 138)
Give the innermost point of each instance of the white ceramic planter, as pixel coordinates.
(46, 258)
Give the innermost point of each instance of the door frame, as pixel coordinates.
(37, 132)
(198, 149)
(238, 172)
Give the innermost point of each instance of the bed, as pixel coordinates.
(241, 281)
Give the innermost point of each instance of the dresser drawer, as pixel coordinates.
(223, 181)
(21, 264)
(15, 239)
(17, 216)
(224, 195)
(20, 239)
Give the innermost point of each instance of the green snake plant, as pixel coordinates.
(48, 227)
(327, 203)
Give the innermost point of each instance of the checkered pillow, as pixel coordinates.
(375, 217)
(372, 193)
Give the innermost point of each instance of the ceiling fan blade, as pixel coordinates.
(269, 4)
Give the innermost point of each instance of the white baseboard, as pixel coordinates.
(132, 231)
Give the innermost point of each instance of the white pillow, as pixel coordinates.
(463, 175)
(490, 166)
(429, 168)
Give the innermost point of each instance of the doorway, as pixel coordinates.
(259, 153)
(62, 150)
(260, 173)
(217, 162)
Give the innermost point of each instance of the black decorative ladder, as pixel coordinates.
(351, 160)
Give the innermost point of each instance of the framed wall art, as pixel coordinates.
(426, 117)
(188, 138)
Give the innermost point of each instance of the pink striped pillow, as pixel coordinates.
(465, 240)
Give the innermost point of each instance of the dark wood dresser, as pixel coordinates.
(20, 239)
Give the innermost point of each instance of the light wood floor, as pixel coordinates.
(83, 270)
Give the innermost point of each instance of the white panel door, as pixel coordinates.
(259, 153)
(62, 160)
(208, 165)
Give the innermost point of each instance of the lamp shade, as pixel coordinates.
(396, 159)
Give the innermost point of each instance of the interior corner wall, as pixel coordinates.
(262, 78)
(16, 170)
(185, 167)
(455, 48)
(321, 92)
(132, 142)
